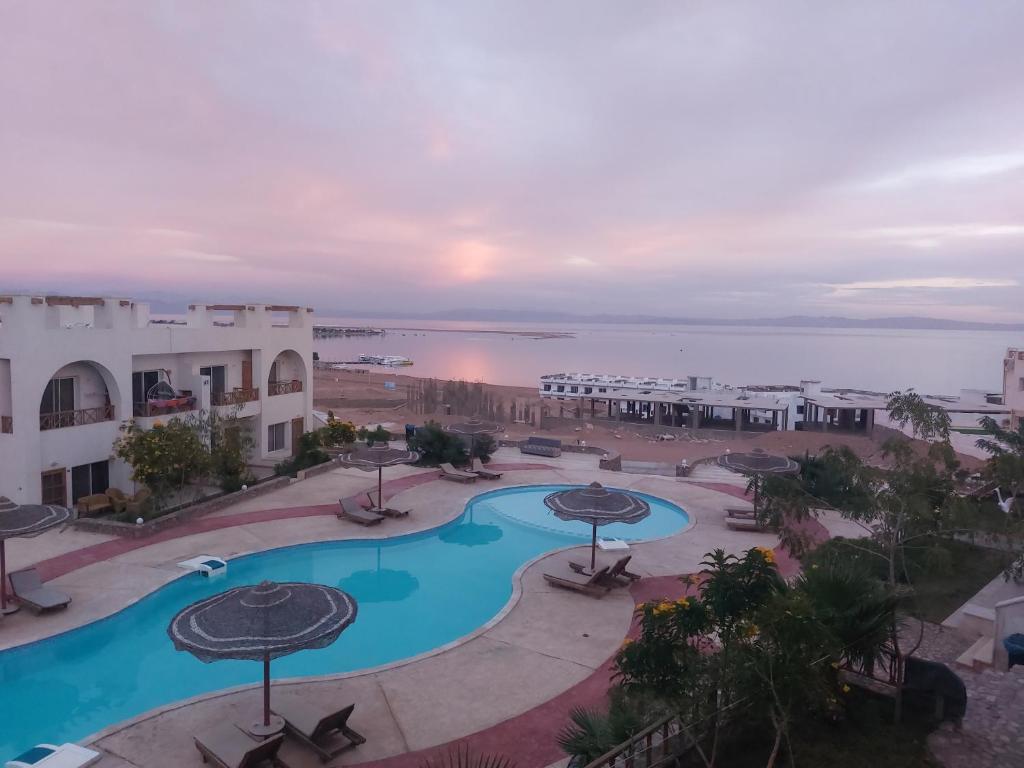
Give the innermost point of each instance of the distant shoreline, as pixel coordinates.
(499, 331)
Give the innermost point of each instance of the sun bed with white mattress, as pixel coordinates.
(53, 756)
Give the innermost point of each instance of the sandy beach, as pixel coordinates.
(364, 399)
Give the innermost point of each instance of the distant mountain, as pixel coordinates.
(792, 321)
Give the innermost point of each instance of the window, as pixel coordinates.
(587, 390)
(58, 397)
(547, 387)
(87, 479)
(1020, 384)
(560, 388)
(217, 378)
(800, 410)
(574, 390)
(602, 389)
(142, 382)
(273, 372)
(275, 437)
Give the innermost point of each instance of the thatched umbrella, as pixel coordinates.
(263, 622)
(23, 521)
(597, 505)
(757, 463)
(371, 457)
(472, 428)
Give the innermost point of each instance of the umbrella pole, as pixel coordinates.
(266, 690)
(593, 550)
(380, 487)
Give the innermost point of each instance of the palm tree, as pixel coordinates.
(462, 757)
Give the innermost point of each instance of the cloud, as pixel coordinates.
(936, 235)
(581, 261)
(923, 283)
(951, 170)
(216, 258)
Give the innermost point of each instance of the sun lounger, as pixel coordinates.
(227, 746)
(617, 573)
(744, 524)
(740, 512)
(380, 509)
(448, 472)
(481, 471)
(594, 585)
(29, 590)
(316, 730)
(350, 510)
(53, 756)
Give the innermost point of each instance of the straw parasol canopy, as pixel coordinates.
(264, 621)
(23, 521)
(597, 505)
(371, 457)
(756, 463)
(472, 428)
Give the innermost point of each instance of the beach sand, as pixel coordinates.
(363, 399)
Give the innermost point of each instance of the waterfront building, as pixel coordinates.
(1013, 385)
(73, 369)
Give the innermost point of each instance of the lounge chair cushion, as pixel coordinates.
(53, 756)
(229, 746)
(350, 509)
(318, 730)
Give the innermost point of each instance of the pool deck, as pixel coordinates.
(548, 650)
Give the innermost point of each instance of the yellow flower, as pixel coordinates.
(846, 688)
(683, 602)
(835, 665)
(640, 606)
(627, 642)
(158, 423)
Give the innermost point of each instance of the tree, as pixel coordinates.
(436, 446)
(376, 435)
(308, 454)
(1006, 457)
(928, 422)
(230, 446)
(483, 447)
(165, 458)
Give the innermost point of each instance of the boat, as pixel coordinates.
(392, 361)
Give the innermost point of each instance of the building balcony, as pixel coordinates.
(77, 418)
(237, 396)
(142, 410)
(284, 387)
(6, 425)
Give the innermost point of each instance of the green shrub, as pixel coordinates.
(375, 435)
(436, 446)
(309, 455)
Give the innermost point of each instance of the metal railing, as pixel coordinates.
(236, 397)
(147, 409)
(7, 425)
(77, 418)
(284, 387)
(656, 745)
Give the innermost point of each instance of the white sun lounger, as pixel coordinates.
(53, 756)
(208, 565)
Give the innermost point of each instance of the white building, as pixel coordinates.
(73, 369)
(1013, 385)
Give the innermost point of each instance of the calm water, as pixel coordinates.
(934, 362)
(415, 593)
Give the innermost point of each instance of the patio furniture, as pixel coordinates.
(138, 503)
(745, 524)
(617, 573)
(227, 746)
(23, 521)
(262, 622)
(742, 513)
(29, 590)
(94, 504)
(541, 446)
(309, 725)
(54, 756)
(380, 509)
(210, 566)
(481, 471)
(118, 499)
(448, 472)
(371, 457)
(350, 510)
(597, 505)
(594, 585)
(1014, 645)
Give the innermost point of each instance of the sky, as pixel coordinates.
(716, 159)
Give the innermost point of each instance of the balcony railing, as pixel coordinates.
(236, 397)
(7, 425)
(61, 419)
(284, 387)
(149, 409)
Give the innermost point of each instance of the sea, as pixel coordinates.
(936, 362)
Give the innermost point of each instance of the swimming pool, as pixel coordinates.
(445, 582)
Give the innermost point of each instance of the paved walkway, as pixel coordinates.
(549, 649)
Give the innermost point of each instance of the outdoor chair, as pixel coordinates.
(29, 590)
(118, 499)
(448, 472)
(617, 573)
(93, 504)
(745, 524)
(481, 471)
(349, 509)
(54, 756)
(137, 504)
(541, 446)
(380, 509)
(309, 725)
(594, 585)
(227, 746)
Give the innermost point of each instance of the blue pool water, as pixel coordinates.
(415, 593)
